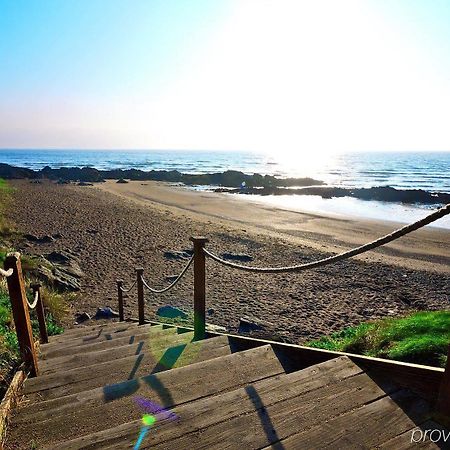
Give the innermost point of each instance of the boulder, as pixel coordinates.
(39, 240)
(248, 324)
(177, 255)
(105, 313)
(171, 312)
(82, 317)
(237, 257)
(122, 181)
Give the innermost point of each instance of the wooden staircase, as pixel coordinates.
(224, 395)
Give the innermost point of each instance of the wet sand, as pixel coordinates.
(114, 228)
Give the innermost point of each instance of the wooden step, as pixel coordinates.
(156, 359)
(138, 335)
(99, 335)
(89, 328)
(60, 363)
(113, 405)
(224, 407)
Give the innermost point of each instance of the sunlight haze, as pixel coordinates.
(284, 77)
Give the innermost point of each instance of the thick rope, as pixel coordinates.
(171, 285)
(332, 259)
(36, 298)
(6, 273)
(130, 288)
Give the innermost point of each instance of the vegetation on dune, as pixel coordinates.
(55, 304)
(421, 338)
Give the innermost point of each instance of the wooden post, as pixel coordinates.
(120, 297)
(40, 314)
(199, 287)
(17, 295)
(443, 401)
(140, 291)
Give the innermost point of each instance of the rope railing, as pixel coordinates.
(341, 256)
(36, 298)
(129, 289)
(6, 273)
(171, 285)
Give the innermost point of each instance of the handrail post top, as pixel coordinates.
(119, 282)
(12, 255)
(139, 269)
(35, 286)
(199, 239)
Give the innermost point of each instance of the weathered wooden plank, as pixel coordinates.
(268, 424)
(417, 438)
(62, 350)
(155, 360)
(114, 404)
(222, 408)
(61, 363)
(99, 336)
(366, 427)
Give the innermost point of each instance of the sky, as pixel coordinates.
(279, 76)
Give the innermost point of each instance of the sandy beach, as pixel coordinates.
(114, 228)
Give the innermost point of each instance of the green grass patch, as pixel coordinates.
(421, 338)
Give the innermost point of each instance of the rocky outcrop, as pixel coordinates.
(60, 270)
(229, 178)
(380, 193)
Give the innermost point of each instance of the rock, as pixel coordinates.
(247, 324)
(171, 312)
(177, 255)
(61, 181)
(105, 313)
(122, 181)
(82, 317)
(61, 270)
(210, 311)
(92, 231)
(36, 182)
(57, 235)
(171, 278)
(84, 183)
(237, 257)
(215, 328)
(39, 240)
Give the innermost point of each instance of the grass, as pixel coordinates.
(420, 337)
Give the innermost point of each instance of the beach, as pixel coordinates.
(113, 228)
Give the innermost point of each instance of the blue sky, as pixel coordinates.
(272, 75)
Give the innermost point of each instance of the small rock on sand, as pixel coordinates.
(237, 257)
(171, 312)
(105, 313)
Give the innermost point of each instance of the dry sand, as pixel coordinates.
(116, 227)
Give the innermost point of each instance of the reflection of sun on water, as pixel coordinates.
(300, 164)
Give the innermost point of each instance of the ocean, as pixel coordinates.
(429, 171)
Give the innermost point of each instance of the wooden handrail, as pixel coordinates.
(120, 299)
(199, 287)
(19, 305)
(140, 292)
(40, 313)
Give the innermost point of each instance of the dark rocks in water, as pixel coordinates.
(177, 255)
(122, 181)
(12, 172)
(39, 240)
(380, 193)
(82, 317)
(105, 313)
(247, 324)
(229, 178)
(171, 312)
(237, 257)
